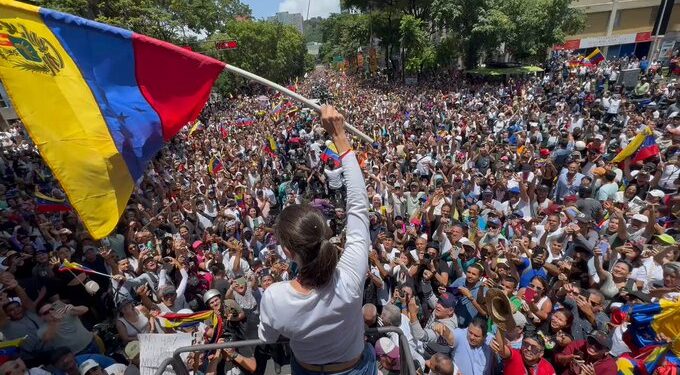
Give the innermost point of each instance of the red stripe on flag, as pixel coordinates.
(174, 81)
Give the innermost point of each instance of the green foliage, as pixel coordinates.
(419, 52)
(526, 27)
(176, 21)
(312, 29)
(268, 49)
(344, 34)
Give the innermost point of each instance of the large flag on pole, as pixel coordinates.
(98, 101)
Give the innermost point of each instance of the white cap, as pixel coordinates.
(580, 145)
(87, 366)
(656, 193)
(640, 217)
(599, 136)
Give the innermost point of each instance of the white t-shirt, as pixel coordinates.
(334, 178)
(313, 321)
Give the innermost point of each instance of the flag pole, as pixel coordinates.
(292, 95)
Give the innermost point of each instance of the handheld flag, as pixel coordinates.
(47, 204)
(595, 57)
(73, 266)
(9, 350)
(331, 153)
(172, 320)
(98, 101)
(633, 146)
(647, 149)
(194, 128)
(215, 166)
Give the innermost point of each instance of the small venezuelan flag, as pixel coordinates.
(595, 57)
(647, 149)
(47, 204)
(215, 166)
(173, 320)
(98, 101)
(73, 266)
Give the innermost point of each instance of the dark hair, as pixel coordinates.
(511, 279)
(567, 314)
(303, 231)
(479, 322)
(536, 338)
(610, 175)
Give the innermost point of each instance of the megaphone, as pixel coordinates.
(499, 309)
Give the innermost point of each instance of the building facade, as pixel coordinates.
(627, 27)
(7, 112)
(292, 19)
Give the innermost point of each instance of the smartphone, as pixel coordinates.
(604, 247)
(572, 212)
(529, 295)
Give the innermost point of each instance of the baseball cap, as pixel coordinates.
(520, 319)
(599, 137)
(656, 193)
(601, 338)
(196, 244)
(385, 346)
(87, 366)
(514, 189)
(493, 223)
(640, 217)
(583, 218)
(545, 152)
(241, 281)
(447, 300)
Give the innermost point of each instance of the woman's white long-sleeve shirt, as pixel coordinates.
(326, 326)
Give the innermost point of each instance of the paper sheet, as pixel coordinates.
(155, 347)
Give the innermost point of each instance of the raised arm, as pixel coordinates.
(353, 263)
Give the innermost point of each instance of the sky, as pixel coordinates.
(267, 8)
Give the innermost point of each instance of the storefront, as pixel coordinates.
(612, 46)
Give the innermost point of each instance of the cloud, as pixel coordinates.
(322, 8)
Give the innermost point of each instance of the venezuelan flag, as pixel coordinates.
(646, 323)
(73, 266)
(215, 166)
(173, 320)
(647, 149)
(47, 204)
(633, 146)
(331, 153)
(595, 57)
(98, 101)
(9, 350)
(194, 128)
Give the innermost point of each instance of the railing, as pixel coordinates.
(180, 368)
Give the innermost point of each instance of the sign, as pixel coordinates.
(569, 45)
(602, 41)
(226, 44)
(157, 347)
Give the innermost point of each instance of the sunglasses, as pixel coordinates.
(536, 287)
(531, 348)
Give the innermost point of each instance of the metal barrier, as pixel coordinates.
(180, 368)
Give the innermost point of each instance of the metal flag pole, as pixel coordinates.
(292, 95)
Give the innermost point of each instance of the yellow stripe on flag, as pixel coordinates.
(64, 121)
(633, 146)
(593, 54)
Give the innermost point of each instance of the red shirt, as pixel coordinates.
(605, 366)
(515, 366)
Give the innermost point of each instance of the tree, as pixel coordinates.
(418, 53)
(313, 29)
(343, 35)
(268, 49)
(175, 21)
(526, 27)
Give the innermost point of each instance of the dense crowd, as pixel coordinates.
(473, 185)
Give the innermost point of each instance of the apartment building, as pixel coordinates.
(627, 27)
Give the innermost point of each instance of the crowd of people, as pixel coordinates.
(472, 187)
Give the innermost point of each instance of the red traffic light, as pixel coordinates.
(226, 44)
